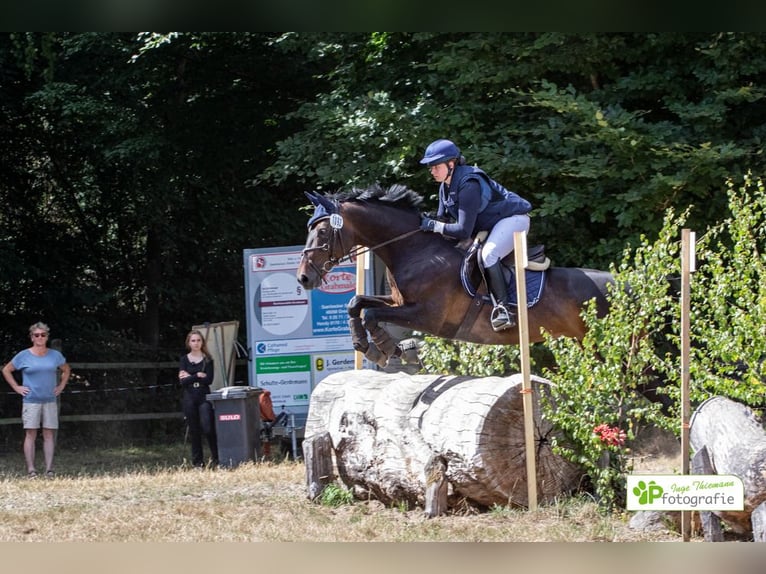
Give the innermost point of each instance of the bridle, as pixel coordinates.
(336, 237)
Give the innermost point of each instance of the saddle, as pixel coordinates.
(537, 262)
(536, 258)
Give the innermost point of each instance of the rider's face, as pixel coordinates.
(440, 172)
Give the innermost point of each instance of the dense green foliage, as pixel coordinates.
(639, 341)
(597, 402)
(598, 382)
(470, 359)
(136, 167)
(728, 301)
(602, 132)
(127, 166)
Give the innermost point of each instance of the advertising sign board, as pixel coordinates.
(296, 337)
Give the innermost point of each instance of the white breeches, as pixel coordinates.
(499, 242)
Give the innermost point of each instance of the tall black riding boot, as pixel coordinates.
(502, 316)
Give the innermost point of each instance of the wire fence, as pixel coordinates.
(123, 391)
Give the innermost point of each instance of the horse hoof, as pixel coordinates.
(358, 335)
(360, 346)
(374, 355)
(409, 349)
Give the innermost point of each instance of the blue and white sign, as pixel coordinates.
(296, 337)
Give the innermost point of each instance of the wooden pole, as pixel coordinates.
(520, 250)
(361, 263)
(687, 266)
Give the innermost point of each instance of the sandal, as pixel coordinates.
(50, 474)
(32, 474)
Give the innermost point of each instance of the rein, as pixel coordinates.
(361, 250)
(333, 261)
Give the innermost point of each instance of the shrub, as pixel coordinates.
(728, 297)
(596, 395)
(459, 358)
(597, 401)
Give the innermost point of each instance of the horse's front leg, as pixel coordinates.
(382, 346)
(408, 316)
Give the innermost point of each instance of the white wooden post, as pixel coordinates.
(687, 267)
(520, 250)
(361, 263)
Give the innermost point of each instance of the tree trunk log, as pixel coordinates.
(758, 520)
(402, 438)
(711, 523)
(736, 444)
(317, 453)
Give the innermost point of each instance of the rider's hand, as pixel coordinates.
(427, 224)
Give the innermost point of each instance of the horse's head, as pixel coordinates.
(342, 224)
(324, 245)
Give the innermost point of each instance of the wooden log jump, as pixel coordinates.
(735, 443)
(430, 440)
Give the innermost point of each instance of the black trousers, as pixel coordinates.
(200, 419)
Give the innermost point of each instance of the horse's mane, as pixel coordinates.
(397, 195)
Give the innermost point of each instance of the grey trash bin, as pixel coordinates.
(237, 424)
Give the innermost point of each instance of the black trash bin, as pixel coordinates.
(237, 424)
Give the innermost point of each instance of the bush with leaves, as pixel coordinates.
(728, 300)
(638, 342)
(471, 359)
(596, 401)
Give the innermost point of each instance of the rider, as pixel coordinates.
(477, 203)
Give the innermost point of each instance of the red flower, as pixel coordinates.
(612, 436)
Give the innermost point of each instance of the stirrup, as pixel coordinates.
(501, 318)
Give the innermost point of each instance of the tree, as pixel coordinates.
(150, 161)
(602, 132)
(134, 156)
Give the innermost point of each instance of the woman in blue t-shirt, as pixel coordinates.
(41, 386)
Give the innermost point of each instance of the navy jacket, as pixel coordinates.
(476, 202)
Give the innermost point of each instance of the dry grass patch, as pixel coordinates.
(151, 494)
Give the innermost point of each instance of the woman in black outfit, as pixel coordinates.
(196, 374)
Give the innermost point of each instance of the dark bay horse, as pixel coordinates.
(423, 271)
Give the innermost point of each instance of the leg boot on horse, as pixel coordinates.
(363, 345)
(383, 341)
(502, 316)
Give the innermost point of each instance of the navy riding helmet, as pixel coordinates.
(440, 151)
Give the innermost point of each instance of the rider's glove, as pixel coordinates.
(426, 223)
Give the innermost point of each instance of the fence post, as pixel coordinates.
(687, 267)
(520, 250)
